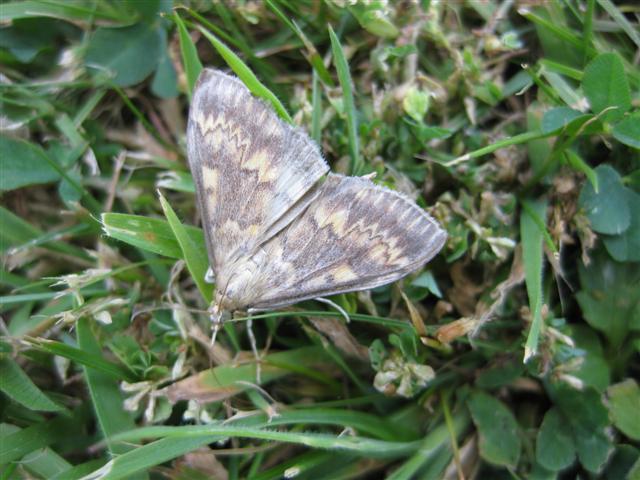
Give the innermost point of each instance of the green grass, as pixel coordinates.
(513, 354)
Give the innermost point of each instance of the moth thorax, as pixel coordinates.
(241, 288)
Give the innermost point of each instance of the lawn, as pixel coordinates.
(512, 354)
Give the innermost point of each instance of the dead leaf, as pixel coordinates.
(338, 333)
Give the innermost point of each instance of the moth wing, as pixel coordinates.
(355, 235)
(251, 170)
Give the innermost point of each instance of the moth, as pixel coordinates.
(279, 228)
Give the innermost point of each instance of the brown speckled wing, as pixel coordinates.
(355, 235)
(251, 169)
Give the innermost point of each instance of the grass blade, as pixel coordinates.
(190, 60)
(193, 254)
(18, 386)
(532, 238)
(151, 234)
(316, 105)
(312, 55)
(621, 20)
(245, 74)
(346, 84)
(19, 443)
(147, 456)
(105, 394)
(361, 445)
(82, 357)
(432, 447)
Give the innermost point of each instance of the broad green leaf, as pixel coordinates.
(19, 387)
(594, 448)
(589, 419)
(344, 76)
(610, 297)
(624, 406)
(152, 234)
(559, 117)
(193, 254)
(165, 80)
(190, 60)
(538, 472)
(148, 10)
(130, 53)
(605, 86)
(624, 463)
(625, 247)
(555, 447)
(608, 208)
(26, 38)
(532, 236)
(500, 442)
(500, 375)
(593, 369)
(627, 131)
(22, 163)
(36, 160)
(634, 472)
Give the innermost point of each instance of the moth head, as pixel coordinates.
(218, 311)
(221, 302)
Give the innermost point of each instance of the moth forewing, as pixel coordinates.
(249, 167)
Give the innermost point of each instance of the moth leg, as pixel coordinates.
(336, 306)
(217, 319)
(254, 346)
